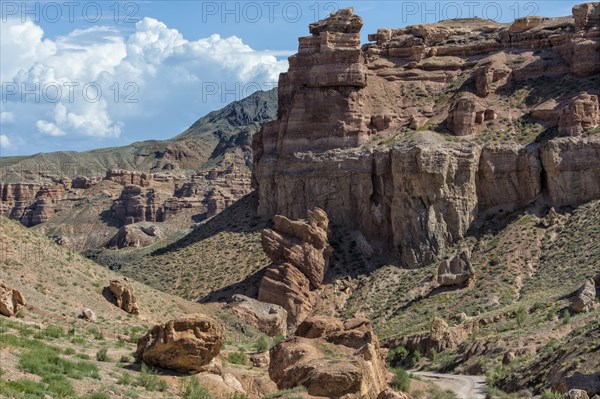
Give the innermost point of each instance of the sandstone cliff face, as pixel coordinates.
(340, 107)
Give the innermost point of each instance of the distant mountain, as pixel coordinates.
(203, 146)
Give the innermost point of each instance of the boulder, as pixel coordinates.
(135, 235)
(526, 23)
(347, 361)
(576, 394)
(391, 394)
(585, 299)
(124, 295)
(266, 317)
(186, 345)
(11, 300)
(340, 21)
(88, 315)
(457, 271)
(319, 327)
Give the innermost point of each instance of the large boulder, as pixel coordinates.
(457, 271)
(11, 300)
(266, 317)
(186, 345)
(124, 295)
(590, 383)
(585, 299)
(135, 235)
(344, 359)
(300, 253)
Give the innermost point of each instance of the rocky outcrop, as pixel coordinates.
(135, 235)
(83, 182)
(137, 204)
(30, 204)
(585, 299)
(587, 15)
(440, 337)
(576, 394)
(11, 300)
(266, 317)
(581, 114)
(421, 193)
(186, 345)
(590, 383)
(357, 369)
(462, 116)
(456, 271)
(300, 253)
(124, 295)
(128, 177)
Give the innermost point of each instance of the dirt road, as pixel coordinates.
(464, 386)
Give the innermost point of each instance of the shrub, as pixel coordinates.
(567, 317)
(148, 379)
(548, 394)
(190, 388)
(436, 393)
(261, 344)
(238, 357)
(401, 381)
(69, 351)
(102, 355)
(397, 356)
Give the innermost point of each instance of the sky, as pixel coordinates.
(79, 75)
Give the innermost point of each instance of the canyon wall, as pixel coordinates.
(413, 138)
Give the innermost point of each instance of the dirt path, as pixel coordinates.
(464, 386)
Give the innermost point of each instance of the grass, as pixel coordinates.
(190, 388)
(102, 355)
(238, 357)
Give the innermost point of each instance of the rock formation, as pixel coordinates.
(124, 295)
(356, 371)
(579, 115)
(585, 299)
(457, 271)
(186, 345)
(300, 253)
(11, 300)
(339, 106)
(135, 235)
(266, 317)
(88, 315)
(128, 177)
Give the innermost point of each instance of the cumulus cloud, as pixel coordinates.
(5, 143)
(100, 82)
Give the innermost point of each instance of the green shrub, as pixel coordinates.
(69, 351)
(96, 395)
(102, 355)
(548, 394)
(566, 317)
(190, 388)
(397, 356)
(238, 357)
(401, 381)
(262, 344)
(436, 393)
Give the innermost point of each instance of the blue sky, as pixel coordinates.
(84, 75)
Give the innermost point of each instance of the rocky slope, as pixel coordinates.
(81, 199)
(415, 137)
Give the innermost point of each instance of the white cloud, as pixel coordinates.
(5, 143)
(7, 117)
(155, 66)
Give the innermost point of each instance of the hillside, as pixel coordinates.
(201, 147)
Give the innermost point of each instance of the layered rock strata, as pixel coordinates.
(300, 253)
(340, 141)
